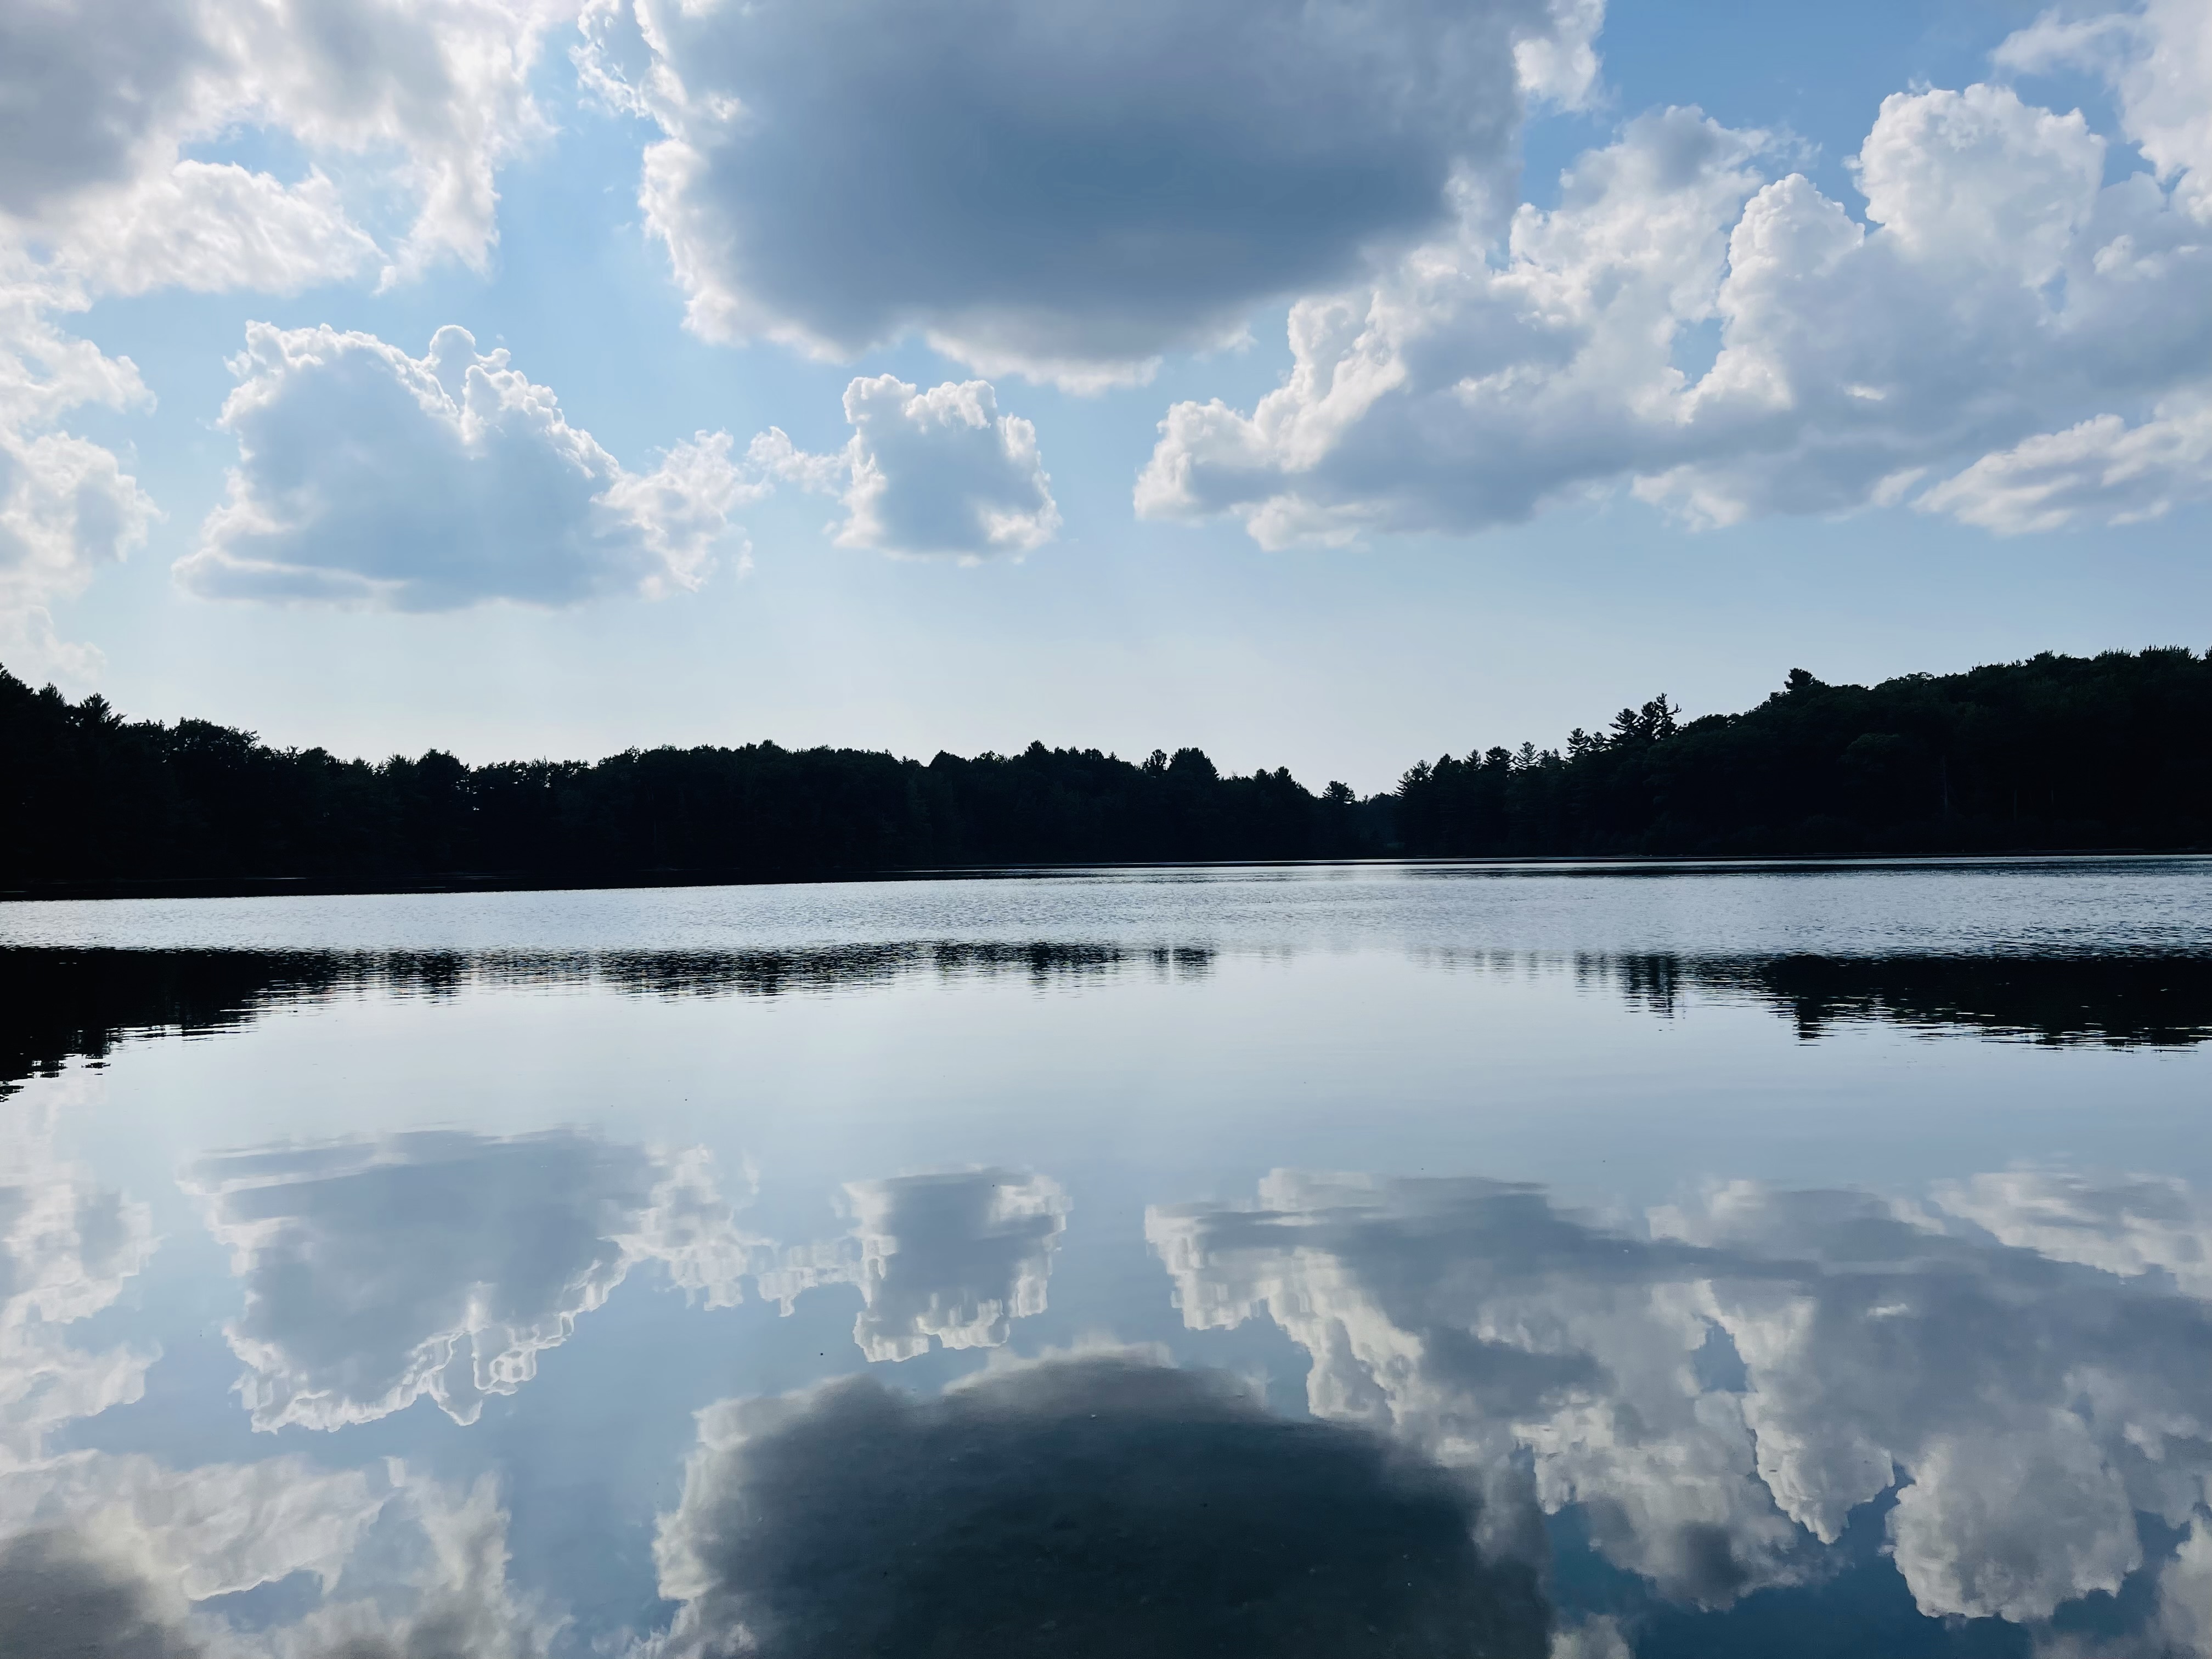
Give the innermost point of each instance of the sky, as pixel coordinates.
(1326, 383)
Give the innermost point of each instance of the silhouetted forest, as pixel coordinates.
(2055, 752)
(2114, 751)
(93, 798)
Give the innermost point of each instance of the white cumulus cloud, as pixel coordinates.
(2002, 336)
(67, 506)
(935, 472)
(104, 106)
(369, 476)
(1064, 191)
(2102, 472)
(943, 472)
(101, 101)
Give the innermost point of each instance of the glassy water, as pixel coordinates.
(1374, 1260)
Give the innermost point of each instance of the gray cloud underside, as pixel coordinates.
(81, 87)
(1094, 1506)
(1082, 182)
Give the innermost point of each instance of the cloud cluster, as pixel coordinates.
(369, 476)
(1065, 191)
(101, 101)
(113, 1554)
(955, 1258)
(366, 476)
(67, 507)
(443, 1263)
(102, 104)
(2004, 337)
(1088, 1505)
(1719, 1394)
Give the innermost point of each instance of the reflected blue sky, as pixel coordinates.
(1651, 1294)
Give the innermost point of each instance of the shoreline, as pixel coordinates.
(464, 882)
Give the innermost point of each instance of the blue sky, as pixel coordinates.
(925, 375)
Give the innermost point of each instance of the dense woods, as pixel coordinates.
(2114, 751)
(96, 797)
(2055, 752)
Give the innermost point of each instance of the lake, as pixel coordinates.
(1501, 1260)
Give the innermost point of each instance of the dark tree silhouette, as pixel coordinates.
(89, 797)
(2053, 752)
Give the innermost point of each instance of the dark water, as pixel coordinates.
(1382, 1261)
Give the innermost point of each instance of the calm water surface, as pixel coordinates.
(1329, 1261)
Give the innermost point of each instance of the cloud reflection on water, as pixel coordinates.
(1717, 1390)
(66, 1247)
(420, 1571)
(1100, 1504)
(955, 1257)
(443, 1263)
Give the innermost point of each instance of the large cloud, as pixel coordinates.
(2004, 337)
(369, 476)
(1719, 1394)
(1086, 1506)
(955, 1258)
(443, 1263)
(1061, 191)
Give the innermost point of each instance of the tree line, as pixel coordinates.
(2114, 751)
(2052, 753)
(95, 798)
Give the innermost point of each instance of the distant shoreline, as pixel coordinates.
(2053, 756)
(1592, 863)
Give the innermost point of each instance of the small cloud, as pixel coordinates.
(934, 473)
(942, 472)
(953, 1258)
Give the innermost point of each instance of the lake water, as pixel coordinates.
(1370, 1260)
